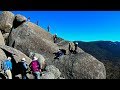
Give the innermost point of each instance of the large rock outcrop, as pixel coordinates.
(80, 66)
(29, 37)
(6, 21)
(26, 37)
(16, 54)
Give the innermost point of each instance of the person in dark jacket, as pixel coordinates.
(23, 67)
(59, 53)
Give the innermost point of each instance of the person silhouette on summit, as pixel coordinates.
(48, 28)
(37, 22)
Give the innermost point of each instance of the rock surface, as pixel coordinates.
(29, 37)
(2, 42)
(16, 54)
(48, 75)
(6, 21)
(54, 70)
(80, 66)
(20, 18)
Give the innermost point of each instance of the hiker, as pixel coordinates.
(55, 38)
(71, 47)
(58, 54)
(28, 19)
(76, 46)
(41, 59)
(37, 22)
(7, 67)
(23, 67)
(63, 50)
(35, 68)
(48, 28)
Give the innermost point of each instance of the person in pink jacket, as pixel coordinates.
(35, 68)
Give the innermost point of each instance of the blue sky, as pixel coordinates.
(79, 25)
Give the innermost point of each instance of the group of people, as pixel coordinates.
(73, 47)
(34, 67)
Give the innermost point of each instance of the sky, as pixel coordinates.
(78, 25)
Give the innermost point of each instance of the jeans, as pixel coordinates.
(37, 75)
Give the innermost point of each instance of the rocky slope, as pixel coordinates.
(107, 52)
(25, 37)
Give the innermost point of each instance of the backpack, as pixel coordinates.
(22, 66)
(35, 66)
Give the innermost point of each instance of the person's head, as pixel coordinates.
(23, 59)
(9, 58)
(35, 58)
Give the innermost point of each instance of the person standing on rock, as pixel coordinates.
(76, 46)
(48, 28)
(7, 67)
(37, 22)
(71, 47)
(23, 67)
(28, 19)
(55, 38)
(35, 68)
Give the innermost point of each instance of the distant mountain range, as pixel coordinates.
(107, 52)
(102, 50)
